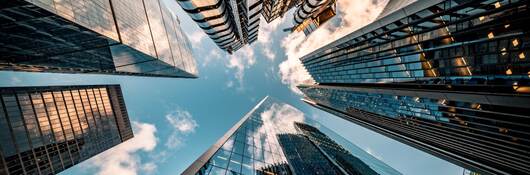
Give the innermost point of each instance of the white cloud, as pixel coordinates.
(183, 124)
(182, 121)
(230, 84)
(265, 30)
(291, 71)
(241, 60)
(280, 116)
(269, 54)
(213, 55)
(123, 159)
(149, 168)
(244, 58)
(265, 36)
(353, 15)
(174, 141)
(196, 38)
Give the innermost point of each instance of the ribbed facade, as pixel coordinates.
(125, 37)
(313, 13)
(45, 130)
(273, 139)
(450, 77)
(273, 9)
(229, 23)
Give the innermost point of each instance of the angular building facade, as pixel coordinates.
(230, 24)
(273, 9)
(276, 138)
(45, 130)
(313, 13)
(138, 37)
(450, 77)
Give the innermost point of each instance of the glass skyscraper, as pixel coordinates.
(276, 138)
(45, 130)
(126, 37)
(449, 77)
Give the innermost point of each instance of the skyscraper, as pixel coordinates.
(272, 9)
(449, 77)
(276, 138)
(313, 13)
(229, 23)
(45, 130)
(127, 37)
(232, 24)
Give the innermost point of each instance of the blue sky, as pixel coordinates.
(176, 120)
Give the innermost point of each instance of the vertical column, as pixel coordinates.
(74, 124)
(64, 145)
(7, 146)
(19, 135)
(87, 121)
(34, 137)
(57, 131)
(45, 163)
(109, 113)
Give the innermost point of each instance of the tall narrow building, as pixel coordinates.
(449, 77)
(45, 130)
(273, 9)
(124, 37)
(231, 24)
(276, 138)
(310, 14)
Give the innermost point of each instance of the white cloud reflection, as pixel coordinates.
(279, 118)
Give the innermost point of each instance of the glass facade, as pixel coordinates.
(451, 42)
(448, 77)
(45, 130)
(276, 138)
(101, 36)
(473, 125)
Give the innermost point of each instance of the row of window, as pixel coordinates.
(493, 121)
(66, 126)
(429, 47)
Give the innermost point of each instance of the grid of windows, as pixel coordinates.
(341, 156)
(453, 121)
(99, 36)
(274, 139)
(45, 130)
(451, 78)
(479, 40)
(253, 148)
